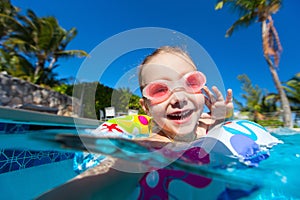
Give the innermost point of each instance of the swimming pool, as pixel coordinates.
(30, 168)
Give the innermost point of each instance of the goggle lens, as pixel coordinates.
(157, 90)
(194, 83)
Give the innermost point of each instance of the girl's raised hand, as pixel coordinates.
(220, 108)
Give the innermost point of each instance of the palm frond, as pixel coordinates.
(243, 21)
(68, 53)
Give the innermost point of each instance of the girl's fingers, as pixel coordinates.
(229, 96)
(218, 94)
(209, 95)
(207, 102)
(206, 90)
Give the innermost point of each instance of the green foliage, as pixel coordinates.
(271, 123)
(134, 103)
(257, 105)
(252, 95)
(123, 99)
(36, 43)
(64, 89)
(264, 109)
(292, 88)
(8, 13)
(249, 11)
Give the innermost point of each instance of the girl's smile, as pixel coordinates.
(180, 117)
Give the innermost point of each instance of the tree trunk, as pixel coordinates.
(39, 66)
(285, 106)
(53, 61)
(37, 70)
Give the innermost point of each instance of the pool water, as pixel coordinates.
(280, 172)
(277, 177)
(29, 168)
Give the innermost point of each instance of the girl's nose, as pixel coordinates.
(178, 99)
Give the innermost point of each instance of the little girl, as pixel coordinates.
(172, 95)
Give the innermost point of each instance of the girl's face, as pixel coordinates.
(177, 115)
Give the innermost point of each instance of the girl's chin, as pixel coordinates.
(184, 126)
(185, 134)
(181, 131)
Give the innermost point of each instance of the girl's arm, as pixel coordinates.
(97, 183)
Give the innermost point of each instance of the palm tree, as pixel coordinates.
(292, 88)
(262, 11)
(269, 103)
(10, 61)
(7, 14)
(42, 41)
(15, 65)
(253, 98)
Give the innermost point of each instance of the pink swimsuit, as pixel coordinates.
(155, 184)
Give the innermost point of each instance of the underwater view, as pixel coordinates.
(213, 176)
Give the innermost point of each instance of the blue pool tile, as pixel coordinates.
(3, 156)
(11, 160)
(9, 154)
(20, 154)
(2, 128)
(4, 167)
(16, 128)
(14, 166)
(28, 154)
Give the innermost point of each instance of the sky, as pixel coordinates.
(97, 21)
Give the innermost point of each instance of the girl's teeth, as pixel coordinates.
(181, 115)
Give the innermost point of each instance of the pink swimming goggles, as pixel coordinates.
(160, 90)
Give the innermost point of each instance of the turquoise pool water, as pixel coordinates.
(27, 173)
(277, 176)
